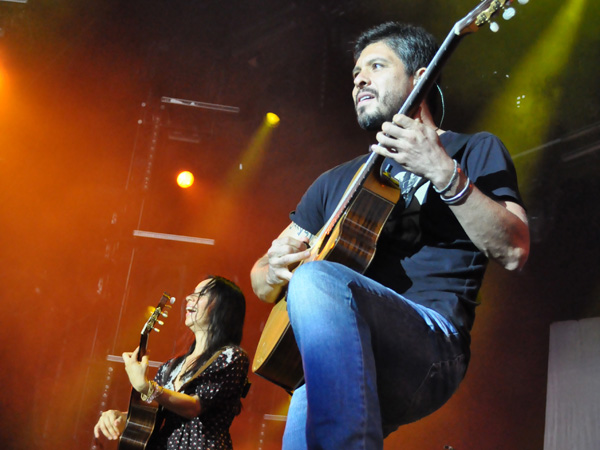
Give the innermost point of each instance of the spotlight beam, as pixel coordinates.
(523, 113)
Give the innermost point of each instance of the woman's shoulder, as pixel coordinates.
(233, 353)
(229, 356)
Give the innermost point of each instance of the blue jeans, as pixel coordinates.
(373, 360)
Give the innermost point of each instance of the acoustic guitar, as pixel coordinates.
(141, 416)
(350, 235)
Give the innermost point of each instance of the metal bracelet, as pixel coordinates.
(461, 195)
(451, 182)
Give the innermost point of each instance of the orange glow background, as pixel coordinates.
(81, 167)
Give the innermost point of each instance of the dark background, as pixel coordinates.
(88, 153)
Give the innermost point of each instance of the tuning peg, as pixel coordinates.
(508, 13)
(523, 2)
(156, 329)
(165, 313)
(494, 27)
(160, 322)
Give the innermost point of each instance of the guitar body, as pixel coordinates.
(352, 242)
(277, 357)
(141, 423)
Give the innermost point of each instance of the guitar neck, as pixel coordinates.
(427, 81)
(476, 18)
(143, 346)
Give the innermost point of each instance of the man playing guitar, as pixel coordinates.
(391, 345)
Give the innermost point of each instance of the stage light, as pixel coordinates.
(251, 160)
(272, 119)
(534, 90)
(185, 179)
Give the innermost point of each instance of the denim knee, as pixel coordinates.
(315, 275)
(306, 272)
(316, 283)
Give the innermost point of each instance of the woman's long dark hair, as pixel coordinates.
(226, 309)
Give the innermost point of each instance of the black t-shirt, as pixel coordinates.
(423, 253)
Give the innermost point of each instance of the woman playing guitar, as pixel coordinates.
(198, 392)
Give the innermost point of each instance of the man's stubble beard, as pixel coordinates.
(371, 122)
(374, 120)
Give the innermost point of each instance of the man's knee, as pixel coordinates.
(316, 283)
(310, 271)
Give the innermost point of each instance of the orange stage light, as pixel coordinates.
(185, 179)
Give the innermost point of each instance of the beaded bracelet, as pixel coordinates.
(154, 391)
(451, 182)
(461, 195)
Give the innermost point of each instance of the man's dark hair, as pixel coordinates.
(415, 47)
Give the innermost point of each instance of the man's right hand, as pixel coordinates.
(274, 270)
(283, 256)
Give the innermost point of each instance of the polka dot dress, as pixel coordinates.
(219, 389)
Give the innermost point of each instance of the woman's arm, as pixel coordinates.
(187, 406)
(111, 424)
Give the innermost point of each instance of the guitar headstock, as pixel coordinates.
(482, 15)
(162, 310)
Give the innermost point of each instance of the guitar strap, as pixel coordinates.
(204, 366)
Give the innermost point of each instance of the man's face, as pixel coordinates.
(381, 85)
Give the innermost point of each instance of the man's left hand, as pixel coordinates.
(416, 147)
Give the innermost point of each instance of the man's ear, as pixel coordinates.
(418, 74)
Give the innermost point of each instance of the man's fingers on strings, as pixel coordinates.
(384, 150)
(404, 121)
(299, 243)
(280, 255)
(386, 141)
(285, 245)
(278, 275)
(295, 257)
(391, 130)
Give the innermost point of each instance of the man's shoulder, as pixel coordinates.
(342, 172)
(461, 143)
(352, 164)
(451, 136)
